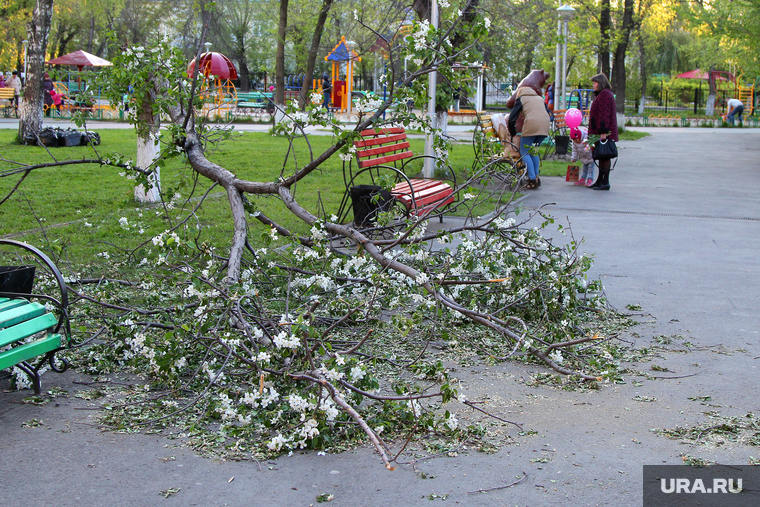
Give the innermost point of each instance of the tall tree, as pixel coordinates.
(38, 31)
(605, 27)
(231, 28)
(314, 49)
(280, 59)
(621, 48)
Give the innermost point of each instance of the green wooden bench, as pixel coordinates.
(28, 329)
(255, 100)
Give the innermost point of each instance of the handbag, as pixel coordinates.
(572, 173)
(604, 150)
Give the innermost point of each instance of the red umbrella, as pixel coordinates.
(214, 64)
(80, 59)
(693, 74)
(701, 74)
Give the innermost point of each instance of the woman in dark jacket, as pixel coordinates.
(602, 121)
(47, 87)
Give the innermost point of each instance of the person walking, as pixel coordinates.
(326, 90)
(735, 108)
(47, 85)
(602, 121)
(15, 83)
(530, 104)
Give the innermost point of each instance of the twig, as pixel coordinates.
(678, 376)
(499, 487)
(355, 347)
(469, 404)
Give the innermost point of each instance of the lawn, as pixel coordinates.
(78, 208)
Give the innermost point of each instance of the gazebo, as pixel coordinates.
(217, 68)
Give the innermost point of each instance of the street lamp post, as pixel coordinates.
(428, 169)
(25, 43)
(351, 45)
(566, 13)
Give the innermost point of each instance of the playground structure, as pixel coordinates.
(342, 58)
(216, 88)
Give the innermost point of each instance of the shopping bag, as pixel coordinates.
(572, 173)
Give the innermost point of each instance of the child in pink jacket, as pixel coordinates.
(582, 152)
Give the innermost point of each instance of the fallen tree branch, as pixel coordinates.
(500, 487)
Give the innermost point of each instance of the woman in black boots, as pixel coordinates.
(602, 121)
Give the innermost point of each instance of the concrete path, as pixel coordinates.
(678, 234)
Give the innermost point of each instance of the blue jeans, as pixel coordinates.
(737, 111)
(531, 161)
(588, 171)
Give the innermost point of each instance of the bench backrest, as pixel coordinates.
(487, 125)
(6, 93)
(559, 118)
(254, 96)
(382, 147)
(511, 146)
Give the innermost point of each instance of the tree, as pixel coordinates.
(621, 49)
(280, 58)
(269, 337)
(231, 25)
(314, 49)
(38, 31)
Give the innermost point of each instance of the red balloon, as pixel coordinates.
(573, 118)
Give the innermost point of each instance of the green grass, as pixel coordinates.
(79, 206)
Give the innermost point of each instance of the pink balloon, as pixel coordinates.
(573, 118)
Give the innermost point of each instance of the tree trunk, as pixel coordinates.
(710, 106)
(280, 61)
(642, 72)
(313, 50)
(245, 75)
(91, 34)
(148, 150)
(38, 31)
(605, 25)
(618, 77)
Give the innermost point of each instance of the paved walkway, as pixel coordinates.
(678, 234)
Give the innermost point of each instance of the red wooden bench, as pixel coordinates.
(387, 149)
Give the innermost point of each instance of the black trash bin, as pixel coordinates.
(368, 201)
(561, 143)
(18, 279)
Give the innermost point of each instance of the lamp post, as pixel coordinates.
(428, 168)
(25, 43)
(566, 13)
(351, 45)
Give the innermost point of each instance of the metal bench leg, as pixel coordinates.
(33, 374)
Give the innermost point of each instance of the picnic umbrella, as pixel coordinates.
(701, 74)
(693, 74)
(80, 59)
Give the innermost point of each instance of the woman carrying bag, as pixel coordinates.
(602, 121)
